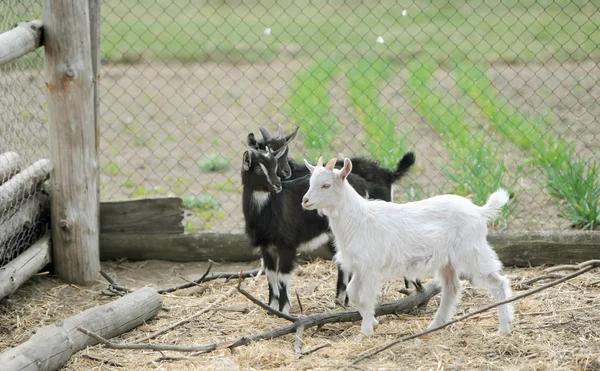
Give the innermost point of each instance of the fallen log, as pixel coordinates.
(52, 346)
(521, 249)
(23, 39)
(21, 269)
(147, 215)
(10, 164)
(24, 184)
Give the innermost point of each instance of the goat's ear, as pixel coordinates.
(346, 169)
(279, 153)
(251, 141)
(265, 134)
(247, 161)
(320, 161)
(309, 166)
(331, 164)
(292, 136)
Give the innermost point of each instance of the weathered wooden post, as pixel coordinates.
(70, 88)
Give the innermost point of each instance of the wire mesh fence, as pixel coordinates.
(486, 94)
(23, 141)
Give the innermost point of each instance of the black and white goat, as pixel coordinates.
(379, 180)
(277, 224)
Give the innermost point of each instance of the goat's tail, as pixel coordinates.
(403, 166)
(492, 207)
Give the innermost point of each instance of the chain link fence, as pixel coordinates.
(487, 94)
(23, 140)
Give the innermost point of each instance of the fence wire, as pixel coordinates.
(23, 137)
(487, 94)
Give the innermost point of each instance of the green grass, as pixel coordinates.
(213, 163)
(574, 184)
(474, 167)
(309, 106)
(233, 32)
(202, 202)
(384, 142)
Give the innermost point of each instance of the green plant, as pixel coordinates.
(141, 191)
(309, 106)
(201, 202)
(112, 169)
(474, 166)
(213, 162)
(384, 143)
(575, 186)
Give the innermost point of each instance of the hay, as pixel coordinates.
(556, 329)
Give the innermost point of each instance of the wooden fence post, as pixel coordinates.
(74, 179)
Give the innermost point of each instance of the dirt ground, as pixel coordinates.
(159, 120)
(556, 329)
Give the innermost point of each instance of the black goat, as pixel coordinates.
(380, 180)
(277, 224)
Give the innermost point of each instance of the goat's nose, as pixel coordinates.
(305, 200)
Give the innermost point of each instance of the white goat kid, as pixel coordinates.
(443, 236)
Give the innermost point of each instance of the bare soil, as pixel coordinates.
(556, 329)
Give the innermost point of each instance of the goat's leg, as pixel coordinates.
(363, 292)
(499, 286)
(270, 264)
(343, 277)
(451, 289)
(285, 266)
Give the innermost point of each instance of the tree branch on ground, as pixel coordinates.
(581, 269)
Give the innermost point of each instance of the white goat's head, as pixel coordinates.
(326, 184)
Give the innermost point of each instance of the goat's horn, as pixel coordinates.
(320, 161)
(265, 134)
(281, 135)
(330, 165)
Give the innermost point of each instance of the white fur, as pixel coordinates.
(315, 243)
(260, 199)
(443, 236)
(276, 281)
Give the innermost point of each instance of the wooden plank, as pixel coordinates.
(148, 215)
(21, 269)
(10, 164)
(22, 220)
(514, 249)
(51, 346)
(23, 185)
(72, 134)
(23, 39)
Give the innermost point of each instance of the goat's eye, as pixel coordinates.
(325, 186)
(258, 170)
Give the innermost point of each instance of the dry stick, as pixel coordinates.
(227, 275)
(594, 283)
(299, 302)
(588, 267)
(298, 342)
(263, 305)
(187, 319)
(576, 267)
(156, 347)
(113, 284)
(210, 264)
(544, 277)
(405, 304)
(110, 363)
(310, 351)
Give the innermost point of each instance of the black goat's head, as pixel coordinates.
(261, 166)
(275, 143)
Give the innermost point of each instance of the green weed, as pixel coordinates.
(309, 106)
(201, 202)
(212, 163)
(474, 167)
(384, 143)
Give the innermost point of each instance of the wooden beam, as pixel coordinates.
(26, 218)
(10, 164)
(51, 346)
(74, 182)
(23, 39)
(21, 269)
(147, 215)
(513, 249)
(23, 185)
